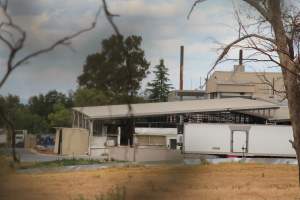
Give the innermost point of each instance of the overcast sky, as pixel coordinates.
(162, 24)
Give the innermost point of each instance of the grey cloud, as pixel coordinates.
(25, 7)
(162, 24)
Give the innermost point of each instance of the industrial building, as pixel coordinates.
(267, 86)
(231, 97)
(107, 123)
(238, 82)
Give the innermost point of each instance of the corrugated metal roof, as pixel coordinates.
(152, 109)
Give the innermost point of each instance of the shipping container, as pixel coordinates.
(238, 140)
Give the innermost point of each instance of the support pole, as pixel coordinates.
(82, 121)
(78, 125)
(119, 136)
(73, 120)
(91, 130)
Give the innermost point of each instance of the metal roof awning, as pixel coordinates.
(177, 107)
(281, 114)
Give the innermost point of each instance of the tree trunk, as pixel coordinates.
(127, 131)
(293, 95)
(290, 71)
(130, 130)
(13, 145)
(10, 129)
(272, 12)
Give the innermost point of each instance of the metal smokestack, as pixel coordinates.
(241, 57)
(181, 67)
(240, 67)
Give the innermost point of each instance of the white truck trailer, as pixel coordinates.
(238, 140)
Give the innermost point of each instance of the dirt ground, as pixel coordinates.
(222, 181)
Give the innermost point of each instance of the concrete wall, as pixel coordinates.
(97, 141)
(97, 146)
(3, 138)
(142, 154)
(236, 87)
(99, 152)
(29, 141)
(123, 153)
(74, 141)
(56, 144)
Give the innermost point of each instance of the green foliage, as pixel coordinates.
(21, 116)
(31, 122)
(49, 110)
(60, 117)
(159, 88)
(121, 99)
(42, 105)
(95, 97)
(8, 106)
(9, 103)
(38, 106)
(42, 113)
(90, 97)
(117, 70)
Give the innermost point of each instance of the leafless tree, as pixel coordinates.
(277, 39)
(13, 37)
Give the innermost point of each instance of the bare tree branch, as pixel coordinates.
(63, 41)
(193, 6)
(15, 47)
(110, 17)
(229, 46)
(260, 6)
(263, 78)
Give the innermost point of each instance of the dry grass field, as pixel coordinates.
(222, 181)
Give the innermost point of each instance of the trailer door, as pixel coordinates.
(239, 142)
